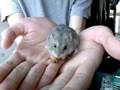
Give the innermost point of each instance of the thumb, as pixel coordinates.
(103, 35)
(9, 35)
(112, 46)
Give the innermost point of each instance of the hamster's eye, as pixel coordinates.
(65, 47)
(54, 46)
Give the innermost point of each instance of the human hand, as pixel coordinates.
(30, 60)
(76, 74)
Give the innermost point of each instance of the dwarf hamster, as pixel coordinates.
(62, 41)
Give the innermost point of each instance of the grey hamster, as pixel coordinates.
(62, 41)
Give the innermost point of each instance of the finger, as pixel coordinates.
(50, 73)
(33, 76)
(62, 80)
(112, 46)
(9, 35)
(13, 80)
(76, 83)
(45, 88)
(81, 79)
(105, 37)
(7, 66)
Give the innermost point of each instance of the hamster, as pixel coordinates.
(62, 42)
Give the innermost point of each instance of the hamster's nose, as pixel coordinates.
(56, 55)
